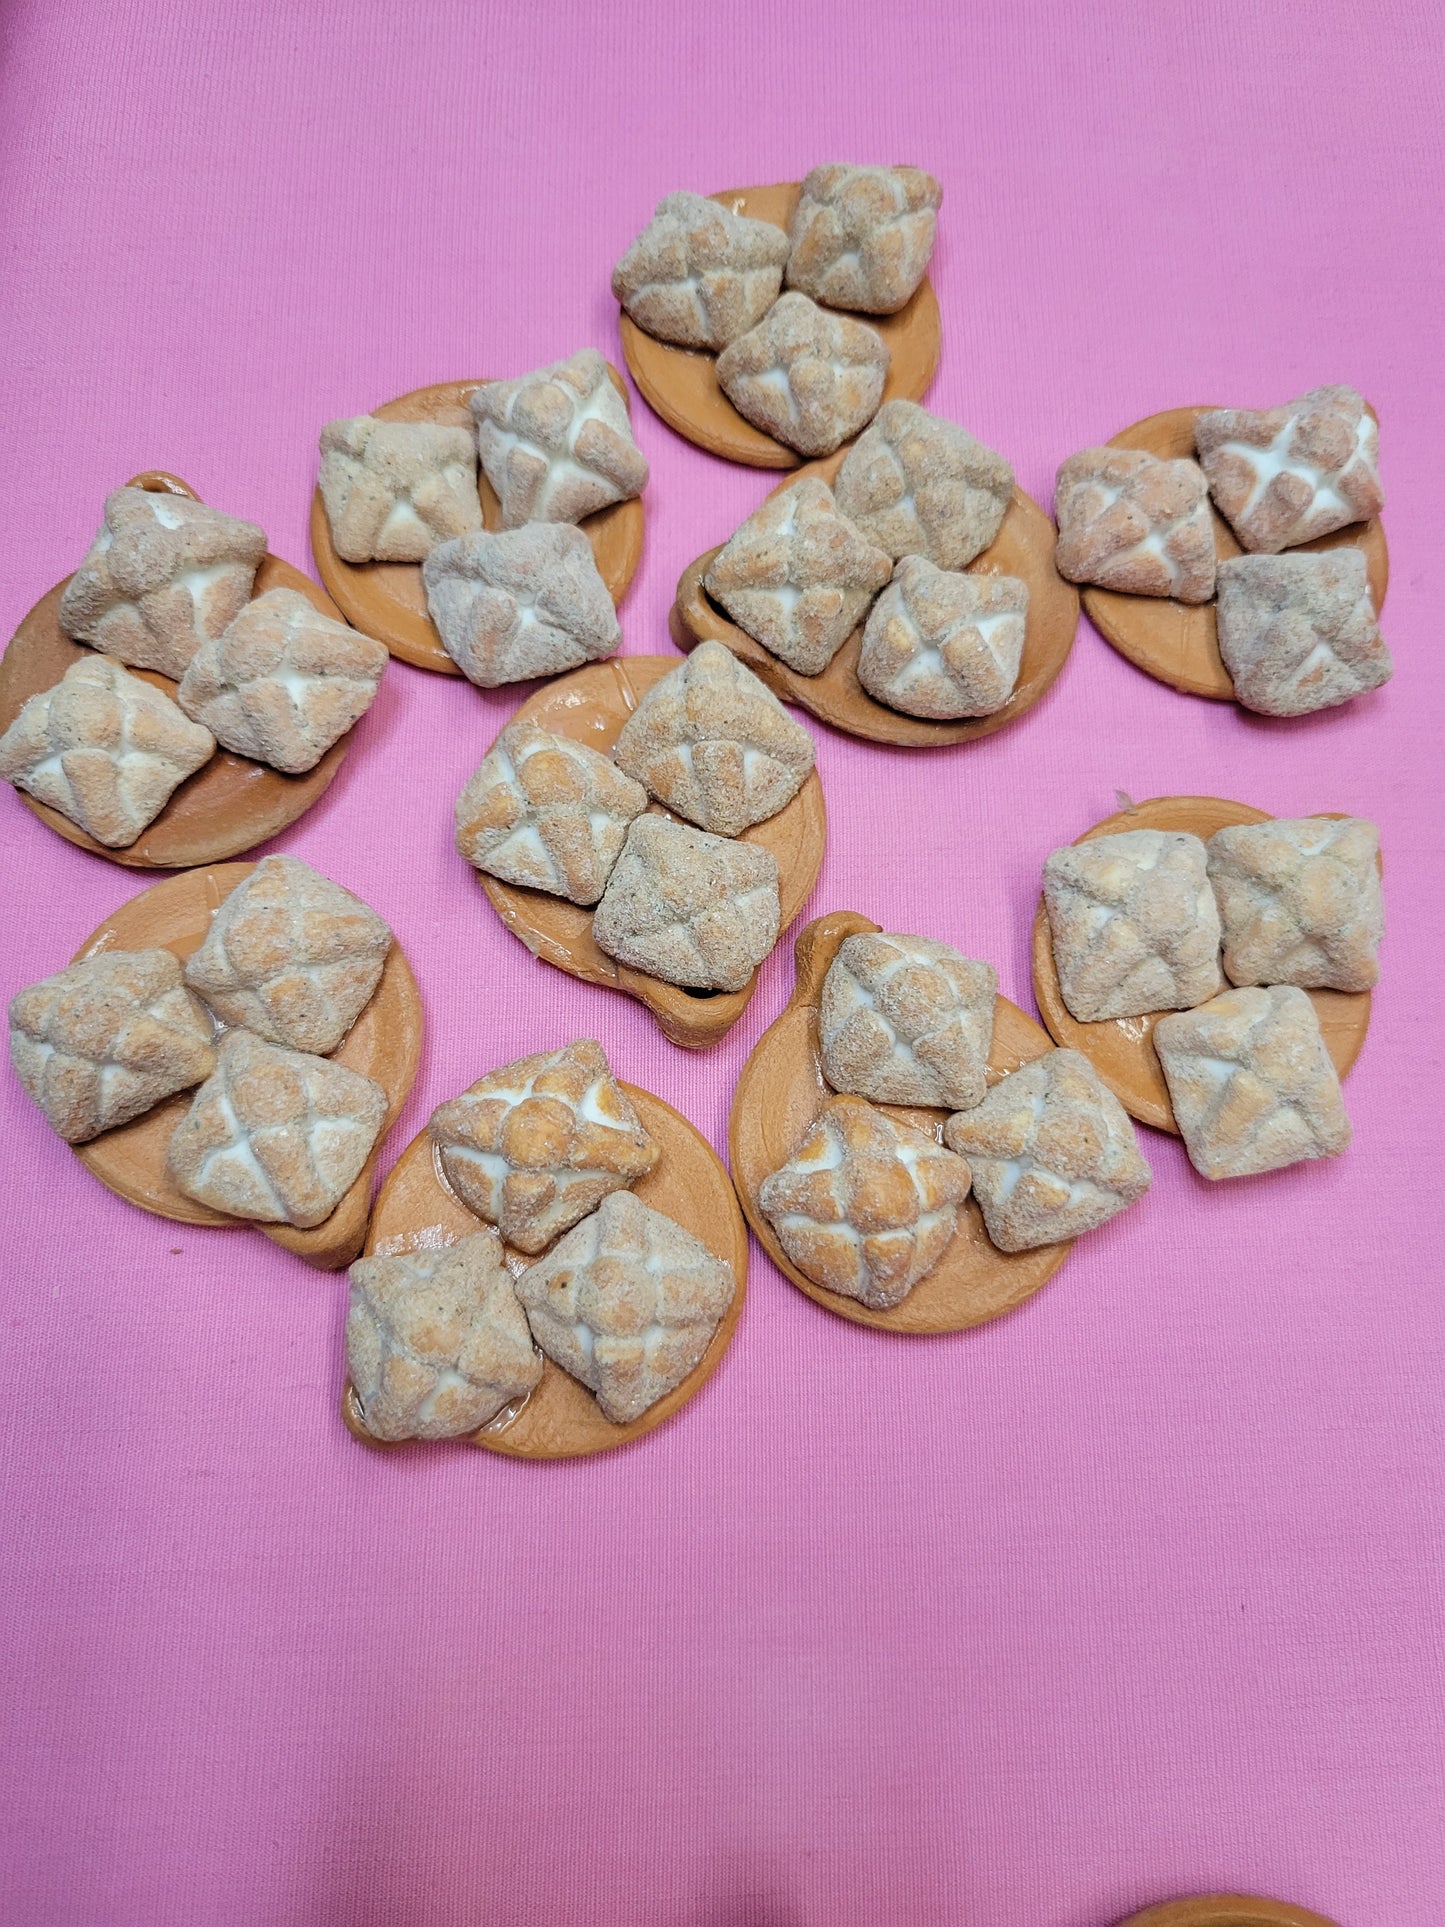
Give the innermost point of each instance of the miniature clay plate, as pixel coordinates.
(782, 1089)
(1177, 642)
(386, 599)
(590, 705)
(417, 1209)
(1024, 547)
(1226, 1910)
(1121, 1049)
(681, 384)
(384, 1044)
(231, 803)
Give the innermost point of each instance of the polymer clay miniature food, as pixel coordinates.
(798, 576)
(865, 1206)
(104, 748)
(693, 909)
(1131, 522)
(918, 485)
(907, 1020)
(1052, 1153)
(393, 490)
(525, 602)
(808, 378)
(1134, 924)
(535, 1146)
(627, 1303)
(1282, 476)
(862, 237)
(700, 275)
(941, 644)
(1251, 1082)
(715, 745)
(556, 444)
(164, 575)
(546, 812)
(107, 1039)
(437, 1342)
(1299, 632)
(1300, 901)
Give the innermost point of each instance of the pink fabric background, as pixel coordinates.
(1135, 1593)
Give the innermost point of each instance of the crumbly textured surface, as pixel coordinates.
(939, 643)
(862, 237)
(715, 745)
(918, 485)
(907, 1020)
(1299, 632)
(164, 575)
(1300, 901)
(1134, 923)
(627, 1303)
(275, 1135)
(526, 602)
(1131, 522)
(865, 1206)
(690, 908)
(1251, 1082)
(537, 1145)
(547, 813)
(282, 682)
(393, 490)
(1052, 1151)
(107, 1039)
(104, 748)
(798, 576)
(557, 444)
(699, 274)
(292, 956)
(806, 377)
(1281, 476)
(437, 1342)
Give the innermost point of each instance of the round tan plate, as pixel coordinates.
(782, 1089)
(591, 705)
(384, 1044)
(561, 1419)
(1226, 1910)
(1177, 642)
(1024, 547)
(230, 804)
(1121, 1049)
(386, 599)
(681, 385)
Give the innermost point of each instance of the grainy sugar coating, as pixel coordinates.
(104, 748)
(907, 1020)
(862, 237)
(163, 576)
(437, 1342)
(804, 376)
(1052, 1153)
(527, 602)
(1282, 476)
(107, 1039)
(627, 1303)
(715, 744)
(557, 444)
(690, 908)
(942, 644)
(1251, 1082)
(865, 1207)
(275, 1135)
(1299, 632)
(393, 490)
(1300, 901)
(918, 485)
(534, 1146)
(1134, 923)
(798, 577)
(547, 813)
(292, 956)
(699, 274)
(1131, 522)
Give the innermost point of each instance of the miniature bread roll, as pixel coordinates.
(806, 377)
(862, 237)
(1282, 476)
(693, 909)
(1133, 523)
(393, 490)
(907, 1020)
(526, 602)
(700, 275)
(918, 485)
(1300, 901)
(556, 445)
(941, 644)
(1299, 632)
